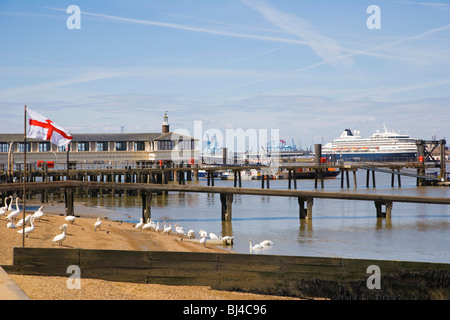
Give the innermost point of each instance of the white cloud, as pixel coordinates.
(323, 46)
(83, 78)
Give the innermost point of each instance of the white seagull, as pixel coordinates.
(191, 234)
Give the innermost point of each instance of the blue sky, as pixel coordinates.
(307, 68)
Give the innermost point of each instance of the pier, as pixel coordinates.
(316, 169)
(181, 174)
(383, 203)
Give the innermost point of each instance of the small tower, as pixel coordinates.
(165, 124)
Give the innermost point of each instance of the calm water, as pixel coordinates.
(339, 228)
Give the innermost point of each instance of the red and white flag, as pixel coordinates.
(44, 129)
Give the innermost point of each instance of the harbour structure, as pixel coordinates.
(383, 202)
(114, 150)
(384, 145)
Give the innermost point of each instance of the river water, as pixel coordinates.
(339, 228)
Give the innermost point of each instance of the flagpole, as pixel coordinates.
(24, 172)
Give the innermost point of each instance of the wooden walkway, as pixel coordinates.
(305, 198)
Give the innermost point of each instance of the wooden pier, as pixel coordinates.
(145, 190)
(191, 173)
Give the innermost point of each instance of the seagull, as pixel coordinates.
(191, 234)
(38, 214)
(28, 230)
(70, 219)
(266, 243)
(255, 247)
(98, 224)
(16, 212)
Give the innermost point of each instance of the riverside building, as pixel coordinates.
(102, 150)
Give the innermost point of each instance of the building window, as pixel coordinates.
(139, 146)
(4, 147)
(83, 146)
(63, 148)
(121, 146)
(102, 146)
(21, 149)
(186, 144)
(166, 145)
(44, 146)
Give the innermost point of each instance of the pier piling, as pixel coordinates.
(379, 206)
(226, 199)
(305, 212)
(146, 197)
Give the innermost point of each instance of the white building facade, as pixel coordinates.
(111, 150)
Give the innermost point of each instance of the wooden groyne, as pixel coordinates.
(305, 277)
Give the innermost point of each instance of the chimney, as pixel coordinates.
(165, 124)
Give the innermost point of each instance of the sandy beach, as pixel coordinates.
(112, 235)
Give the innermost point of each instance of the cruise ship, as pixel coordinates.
(380, 146)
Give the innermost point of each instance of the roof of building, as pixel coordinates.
(102, 137)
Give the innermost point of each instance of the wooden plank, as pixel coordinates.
(299, 276)
(24, 255)
(114, 258)
(228, 190)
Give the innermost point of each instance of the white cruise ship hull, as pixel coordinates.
(381, 146)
